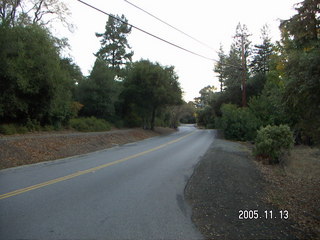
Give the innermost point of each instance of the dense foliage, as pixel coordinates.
(90, 124)
(40, 90)
(282, 84)
(34, 86)
(273, 141)
(237, 123)
(147, 89)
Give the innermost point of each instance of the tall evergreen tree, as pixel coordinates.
(303, 28)
(241, 39)
(219, 67)
(114, 44)
(263, 53)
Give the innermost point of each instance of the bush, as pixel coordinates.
(133, 120)
(205, 116)
(21, 129)
(47, 128)
(210, 126)
(90, 124)
(33, 125)
(8, 129)
(237, 123)
(119, 124)
(273, 141)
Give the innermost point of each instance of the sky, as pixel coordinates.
(210, 21)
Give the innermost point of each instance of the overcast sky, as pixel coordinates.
(210, 21)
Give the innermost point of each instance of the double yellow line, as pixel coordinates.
(79, 173)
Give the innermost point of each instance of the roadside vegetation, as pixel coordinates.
(42, 90)
(280, 122)
(282, 82)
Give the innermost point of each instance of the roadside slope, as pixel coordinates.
(225, 182)
(33, 148)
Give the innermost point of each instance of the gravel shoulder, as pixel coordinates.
(38, 147)
(225, 181)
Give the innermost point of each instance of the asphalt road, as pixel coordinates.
(134, 191)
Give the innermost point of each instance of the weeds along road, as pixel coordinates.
(134, 191)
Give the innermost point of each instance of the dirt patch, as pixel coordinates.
(295, 186)
(32, 148)
(225, 182)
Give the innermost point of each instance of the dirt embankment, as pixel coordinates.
(32, 148)
(295, 186)
(228, 180)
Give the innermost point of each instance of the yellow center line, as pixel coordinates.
(79, 173)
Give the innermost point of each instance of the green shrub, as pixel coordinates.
(21, 129)
(205, 116)
(273, 141)
(119, 124)
(8, 129)
(210, 126)
(133, 120)
(90, 124)
(237, 123)
(33, 125)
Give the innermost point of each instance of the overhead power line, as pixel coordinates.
(168, 24)
(154, 36)
(150, 34)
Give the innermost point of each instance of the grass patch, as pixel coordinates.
(91, 124)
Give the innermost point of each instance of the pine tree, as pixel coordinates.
(263, 52)
(219, 67)
(114, 44)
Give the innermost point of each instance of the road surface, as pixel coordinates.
(134, 191)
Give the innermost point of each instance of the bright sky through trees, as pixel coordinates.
(212, 22)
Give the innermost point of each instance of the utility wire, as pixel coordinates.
(173, 27)
(152, 35)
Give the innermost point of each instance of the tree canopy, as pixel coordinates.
(149, 87)
(114, 44)
(33, 83)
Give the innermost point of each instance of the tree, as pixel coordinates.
(219, 67)
(34, 86)
(206, 94)
(263, 53)
(41, 12)
(114, 44)
(301, 47)
(149, 87)
(304, 27)
(8, 11)
(97, 93)
(233, 75)
(242, 42)
(244, 45)
(74, 73)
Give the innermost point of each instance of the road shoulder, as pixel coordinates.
(225, 182)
